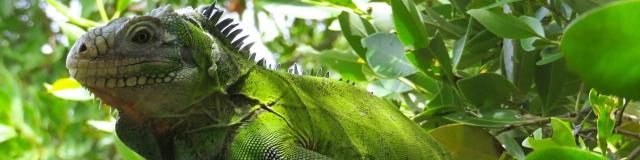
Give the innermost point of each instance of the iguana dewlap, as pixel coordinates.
(186, 88)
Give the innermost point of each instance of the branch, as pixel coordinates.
(627, 133)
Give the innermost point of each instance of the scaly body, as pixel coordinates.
(187, 89)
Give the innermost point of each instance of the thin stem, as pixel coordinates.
(627, 133)
(101, 10)
(74, 19)
(620, 113)
(576, 106)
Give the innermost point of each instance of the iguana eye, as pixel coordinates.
(141, 35)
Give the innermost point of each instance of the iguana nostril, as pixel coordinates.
(83, 48)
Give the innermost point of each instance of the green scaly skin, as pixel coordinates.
(185, 90)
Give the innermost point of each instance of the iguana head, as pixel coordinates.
(160, 63)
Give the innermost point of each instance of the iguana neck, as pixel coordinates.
(231, 66)
(202, 132)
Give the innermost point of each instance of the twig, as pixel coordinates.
(620, 113)
(508, 127)
(627, 133)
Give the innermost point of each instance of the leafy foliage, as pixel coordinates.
(473, 73)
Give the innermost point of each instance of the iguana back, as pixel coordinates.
(328, 117)
(186, 87)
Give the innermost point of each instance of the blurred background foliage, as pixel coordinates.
(476, 74)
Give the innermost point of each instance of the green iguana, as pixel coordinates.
(186, 87)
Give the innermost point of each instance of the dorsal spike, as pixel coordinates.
(215, 16)
(347, 81)
(233, 34)
(295, 69)
(236, 46)
(340, 79)
(224, 23)
(353, 83)
(277, 66)
(228, 30)
(252, 57)
(246, 47)
(260, 62)
(238, 43)
(290, 70)
(310, 72)
(326, 75)
(319, 74)
(270, 66)
(207, 12)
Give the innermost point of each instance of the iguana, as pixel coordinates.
(186, 87)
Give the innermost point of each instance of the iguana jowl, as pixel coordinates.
(186, 89)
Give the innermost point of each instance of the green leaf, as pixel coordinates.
(446, 97)
(387, 87)
(125, 152)
(549, 55)
(385, 56)
(424, 58)
(534, 24)
(73, 18)
(120, 7)
(608, 60)
(563, 153)
(582, 6)
(503, 25)
(562, 133)
(524, 67)
(467, 142)
(511, 145)
(551, 82)
(408, 24)
(603, 106)
(487, 90)
(355, 28)
(346, 64)
(425, 83)
(562, 136)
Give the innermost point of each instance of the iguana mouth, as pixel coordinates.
(122, 72)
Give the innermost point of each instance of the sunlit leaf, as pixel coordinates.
(355, 29)
(6, 133)
(107, 126)
(388, 87)
(603, 106)
(69, 89)
(562, 136)
(456, 140)
(385, 56)
(503, 25)
(126, 152)
(346, 64)
(408, 24)
(563, 153)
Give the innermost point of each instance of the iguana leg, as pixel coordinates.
(269, 137)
